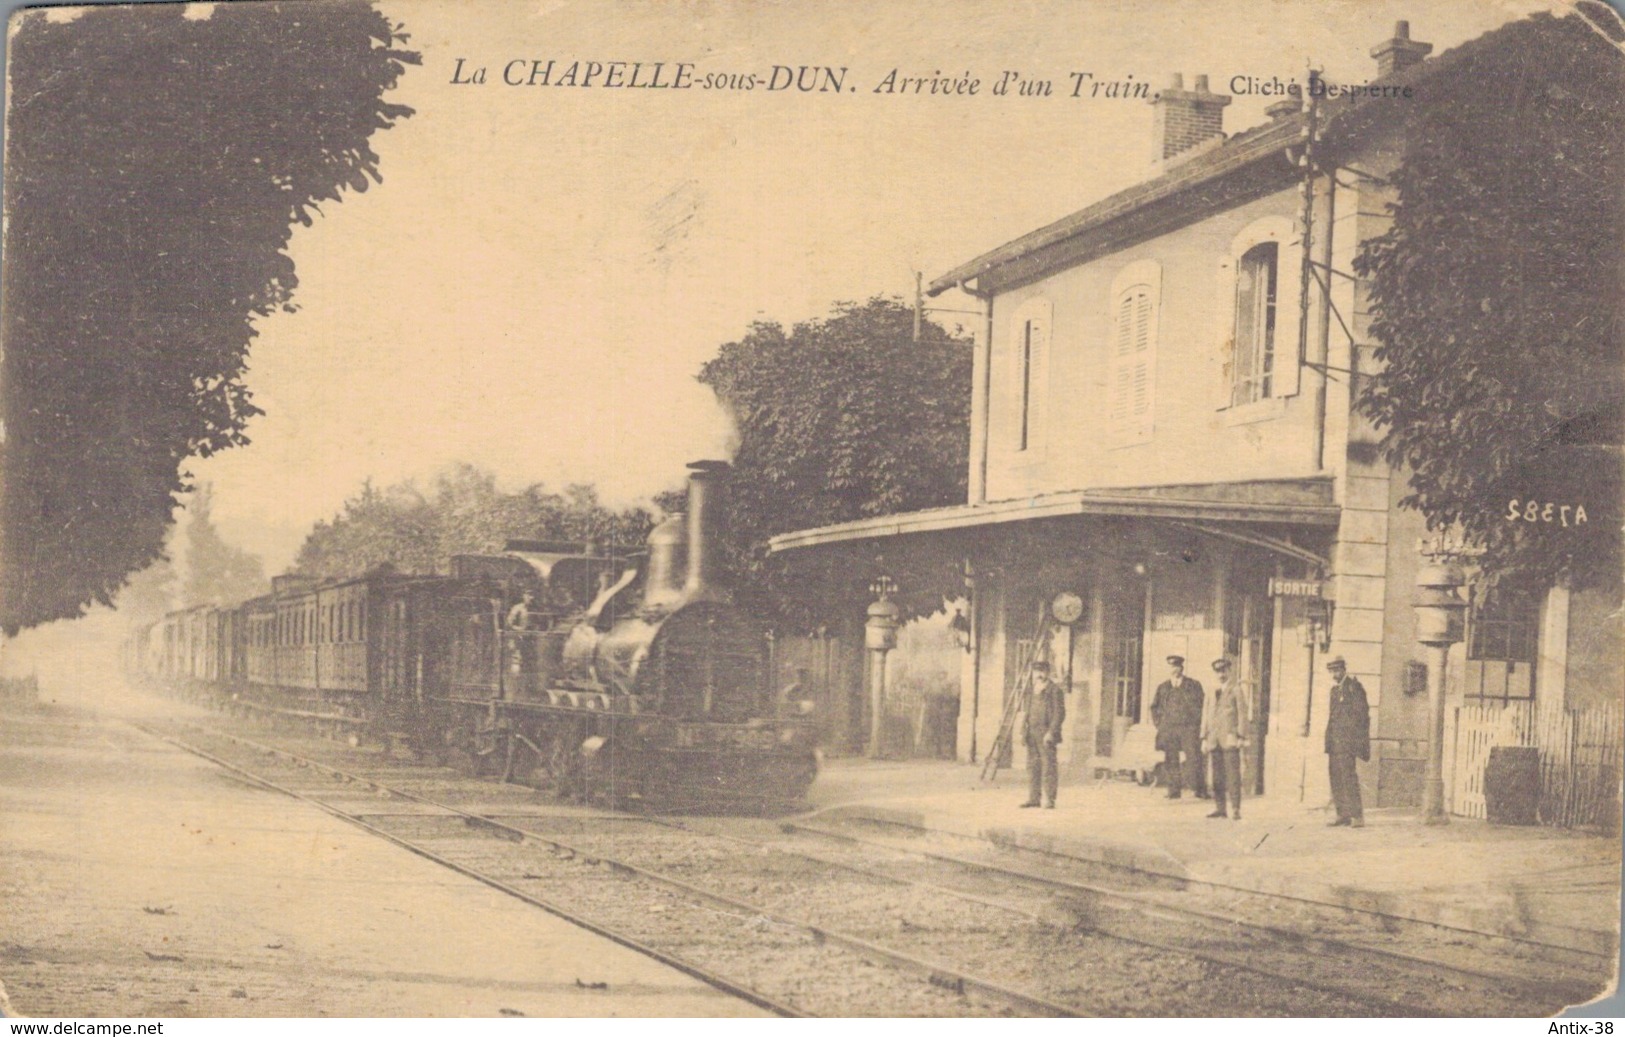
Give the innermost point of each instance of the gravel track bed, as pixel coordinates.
(999, 946)
(781, 961)
(1526, 967)
(749, 948)
(1006, 946)
(1355, 973)
(1041, 941)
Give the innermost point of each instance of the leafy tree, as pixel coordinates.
(1497, 301)
(155, 162)
(842, 418)
(463, 513)
(216, 572)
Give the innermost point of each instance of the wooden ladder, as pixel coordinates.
(1017, 695)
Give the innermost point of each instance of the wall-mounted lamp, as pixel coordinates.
(1317, 624)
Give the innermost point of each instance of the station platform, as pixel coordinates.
(1540, 884)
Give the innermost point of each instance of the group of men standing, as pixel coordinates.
(1195, 727)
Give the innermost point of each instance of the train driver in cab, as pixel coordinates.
(519, 616)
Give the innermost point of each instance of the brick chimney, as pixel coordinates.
(1186, 118)
(1399, 53)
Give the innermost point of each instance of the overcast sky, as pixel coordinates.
(544, 268)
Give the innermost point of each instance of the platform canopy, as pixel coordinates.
(1210, 507)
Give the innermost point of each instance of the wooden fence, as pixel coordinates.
(1582, 756)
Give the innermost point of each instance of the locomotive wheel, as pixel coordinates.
(522, 758)
(487, 750)
(612, 780)
(564, 766)
(471, 744)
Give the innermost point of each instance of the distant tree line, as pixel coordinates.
(461, 512)
(214, 571)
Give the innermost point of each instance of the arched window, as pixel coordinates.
(1257, 278)
(1258, 306)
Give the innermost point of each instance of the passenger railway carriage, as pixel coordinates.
(622, 678)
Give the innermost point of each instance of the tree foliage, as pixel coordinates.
(841, 418)
(1497, 301)
(217, 572)
(155, 163)
(463, 512)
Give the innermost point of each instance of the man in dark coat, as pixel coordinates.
(1176, 709)
(1348, 737)
(1046, 710)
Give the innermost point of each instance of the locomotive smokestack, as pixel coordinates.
(704, 503)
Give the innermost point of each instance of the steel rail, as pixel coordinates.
(1602, 961)
(936, 973)
(1236, 960)
(682, 965)
(1567, 989)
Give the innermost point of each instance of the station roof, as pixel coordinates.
(1300, 502)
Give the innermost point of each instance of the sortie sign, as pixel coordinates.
(1280, 588)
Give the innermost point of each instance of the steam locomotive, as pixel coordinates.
(611, 679)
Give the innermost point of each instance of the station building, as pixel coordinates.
(1166, 459)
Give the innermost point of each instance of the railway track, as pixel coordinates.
(1383, 939)
(772, 917)
(762, 956)
(1152, 915)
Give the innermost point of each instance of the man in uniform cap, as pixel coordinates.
(1046, 709)
(1176, 709)
(1348, 736)
(1224, 734)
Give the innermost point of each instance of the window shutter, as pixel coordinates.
(1288, 275)
(1132, 359)
(1224, 307)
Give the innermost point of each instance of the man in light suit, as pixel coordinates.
(1224, 735)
